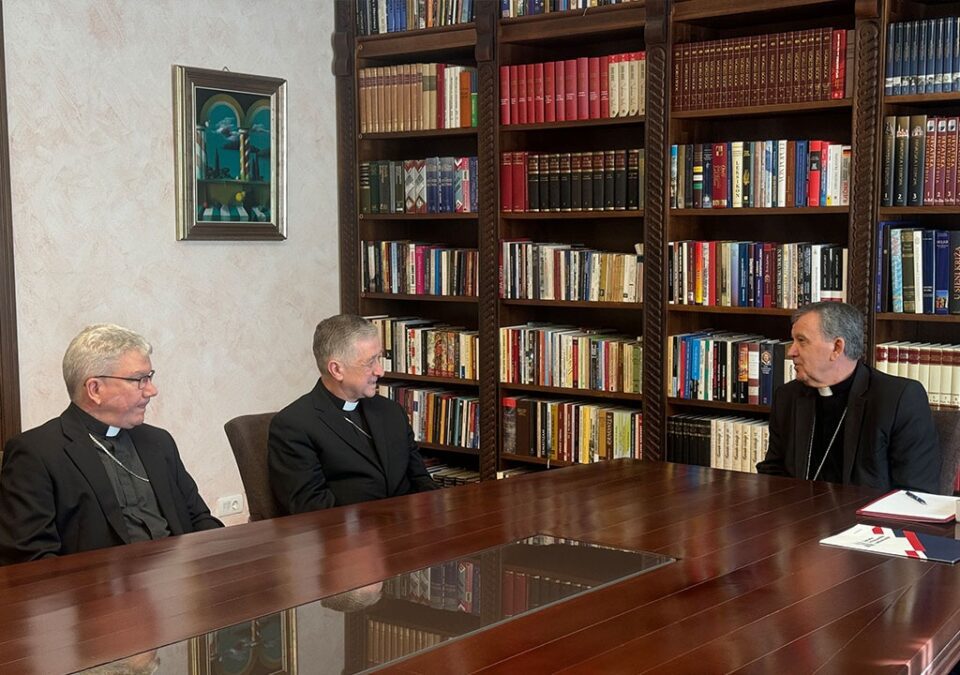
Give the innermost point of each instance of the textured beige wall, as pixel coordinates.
(91, 152)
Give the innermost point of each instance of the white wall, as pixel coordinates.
(89, 96)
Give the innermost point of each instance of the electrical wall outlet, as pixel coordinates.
(228, 506)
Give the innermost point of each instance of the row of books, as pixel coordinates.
(919, 165)
(570, 431)
(584, 88)
(755, 273)
(550, 355)
(515, 8)
(388, 641)
(922, 56)
(416, 346)
(935, 366)
(418, 268)
(430, 185)
(436, 415)
(390, 16)
(523, 591)
(791, 67)
(453, 586)
(417, 97)
(917, 269)
(730, 367)
(450, 476)
(551, 271)
(759, 174)
(601, 180)
(733, 443)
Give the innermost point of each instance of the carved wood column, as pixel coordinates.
(488, 195)
(348, 231)
(658, 46)
(866, 161)
(9, 362)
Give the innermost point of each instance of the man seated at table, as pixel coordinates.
(342, 443)
(843, 421)
(97, 476)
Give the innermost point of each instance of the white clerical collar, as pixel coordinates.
(112, 431)
(825, 391)
(350, 405)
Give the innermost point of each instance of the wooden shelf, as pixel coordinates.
(585, 304)
(718, 405)
(414, 217)
(419, 298)
(713, 309)
(931, 99)
(928, 318)
(607, 122)
(571, 215)
(777, 109)
(730, 11)
(456, 38)
(918, 210)
(424, 445)
(575, 23)
(530, 459)
(423, 133)
(785, 211)
(433, 379)
(567, 391)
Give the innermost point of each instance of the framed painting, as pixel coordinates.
(230, 155)
(264, 646)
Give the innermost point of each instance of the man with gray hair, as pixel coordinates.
(97, 476)
(841, 420)
(342, 443)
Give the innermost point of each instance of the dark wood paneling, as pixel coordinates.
(347, 134)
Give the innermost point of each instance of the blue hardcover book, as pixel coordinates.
(707, 193)
(939, 50)
(673, 176)
(923, 49)
(391, 16)
(948, 28)
(766, 371)
(432, 171)
(955, 21)
(744, 260)
(825, 170)
(758, 286)
(882, 273)
(898, 34)
(888, 66)
(767, 176)
(896, 271)
(902, 543)
(927, 267)
(941, 275)
(401, 15)
(774, 173)
(505, 9)
(800, 172)
(734, 274)
(693, 350)
(910, 47)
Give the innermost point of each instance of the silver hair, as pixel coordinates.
(95, 351)
(336, 337)
(838, 320)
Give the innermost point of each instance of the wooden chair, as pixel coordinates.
(947, 423)
(248, 440)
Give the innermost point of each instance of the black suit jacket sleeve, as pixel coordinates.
(28, 518)
(296, 476)
(914, 452)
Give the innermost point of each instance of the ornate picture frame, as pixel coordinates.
(230, 135)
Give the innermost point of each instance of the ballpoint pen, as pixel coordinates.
(914, 497)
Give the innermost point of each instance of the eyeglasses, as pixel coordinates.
(141, 381)
(369, 364)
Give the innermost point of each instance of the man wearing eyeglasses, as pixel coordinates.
(342, 443)
(97, 476)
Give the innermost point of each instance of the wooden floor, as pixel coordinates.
(752, 589)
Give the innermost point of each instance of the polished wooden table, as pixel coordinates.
(752, 588)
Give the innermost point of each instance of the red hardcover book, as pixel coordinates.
(531, 94)
(594, 82)
(538, 98)
(549, 105)
(940, 166)
(713, 274)
(813, 174)
(441, 121)
(465, 106)
(519, 187)
(560, 89)
(950, 162)
(583, 88)
(506, 182)
(719, 189)
(604, 86)
(521, 94)
(570, 89)
(504, 95)
(930, 162)
(838, 57)
(514, 95)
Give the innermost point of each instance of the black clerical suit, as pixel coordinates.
(889, 440)
(318, 459)
(56, 497)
